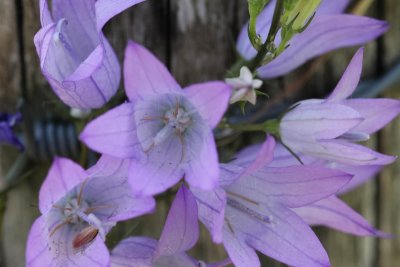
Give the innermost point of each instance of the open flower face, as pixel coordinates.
(253, 210)
(78, 209)
(166, 131)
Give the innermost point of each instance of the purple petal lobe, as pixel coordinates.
(181, 229)
(37, 249)
(211, 205)
(324, 34)
(76, 59)
(334, 213)
(263, 157)
(106, 9)
(361, 174)
(63, 176)
(113, 133)
(152, 176)
(145, 75)
(284, 237)
(292, 186)
(203, 170)
(349, 80)
(210, 99)
(57, 250)
(348, 153)
(113, 196)
(376, 112)
(240, 253)
(45, 16)
(318, 121)
(133, 252)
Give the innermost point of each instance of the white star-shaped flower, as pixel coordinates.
(244, 86)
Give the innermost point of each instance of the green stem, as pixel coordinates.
(269, 126)
(269, 42)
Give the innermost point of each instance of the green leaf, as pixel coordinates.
(255, 8)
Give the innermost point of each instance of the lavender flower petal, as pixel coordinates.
(63, 176)
(210, 99)
(324, 34)
(57, 251)
(75, 57)
(7, 136)
(181, 230)
(377, 113)
(349, 80)
(133, 252)
(203, 163)
(144, 75)
(334, 213)
(113, 133)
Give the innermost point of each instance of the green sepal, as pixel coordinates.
(255, 8)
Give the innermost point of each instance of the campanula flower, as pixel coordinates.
(75, 57)
(78, 209)
(180, 233)
(331, 211)
(7, 136)
(166, 131)
(244, 86)
(329, 30)
(252, 210)
(328, 129)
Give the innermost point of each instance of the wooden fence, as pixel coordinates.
(195, 38)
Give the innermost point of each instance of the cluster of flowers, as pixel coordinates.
(264, 200)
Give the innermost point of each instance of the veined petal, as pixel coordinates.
(362, 174)
(37, 248)
(332, 7)
(324, 34)
(263, 157)
(181, 229)
(210, 99)
(45, 16)
(349, 80)
(285, 237)
(58, 250)
(160, 169)
(64, 175)
(376, 112)
(113, 133)
(145, 75)
(211, 207)
(334, 213)
(318, 121)
(106, 9)
(293, 186)
(114, 197)
(241, 254)
(202, 170)
(348, 153)
(133, 252)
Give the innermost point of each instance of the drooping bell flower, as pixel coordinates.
(180, 233)
(75, 57)
(166, 131)
(7, 136)
(328, 30)
(328, 128)
(252, 210)
(78, 209)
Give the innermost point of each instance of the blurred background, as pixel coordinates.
(196, 40)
